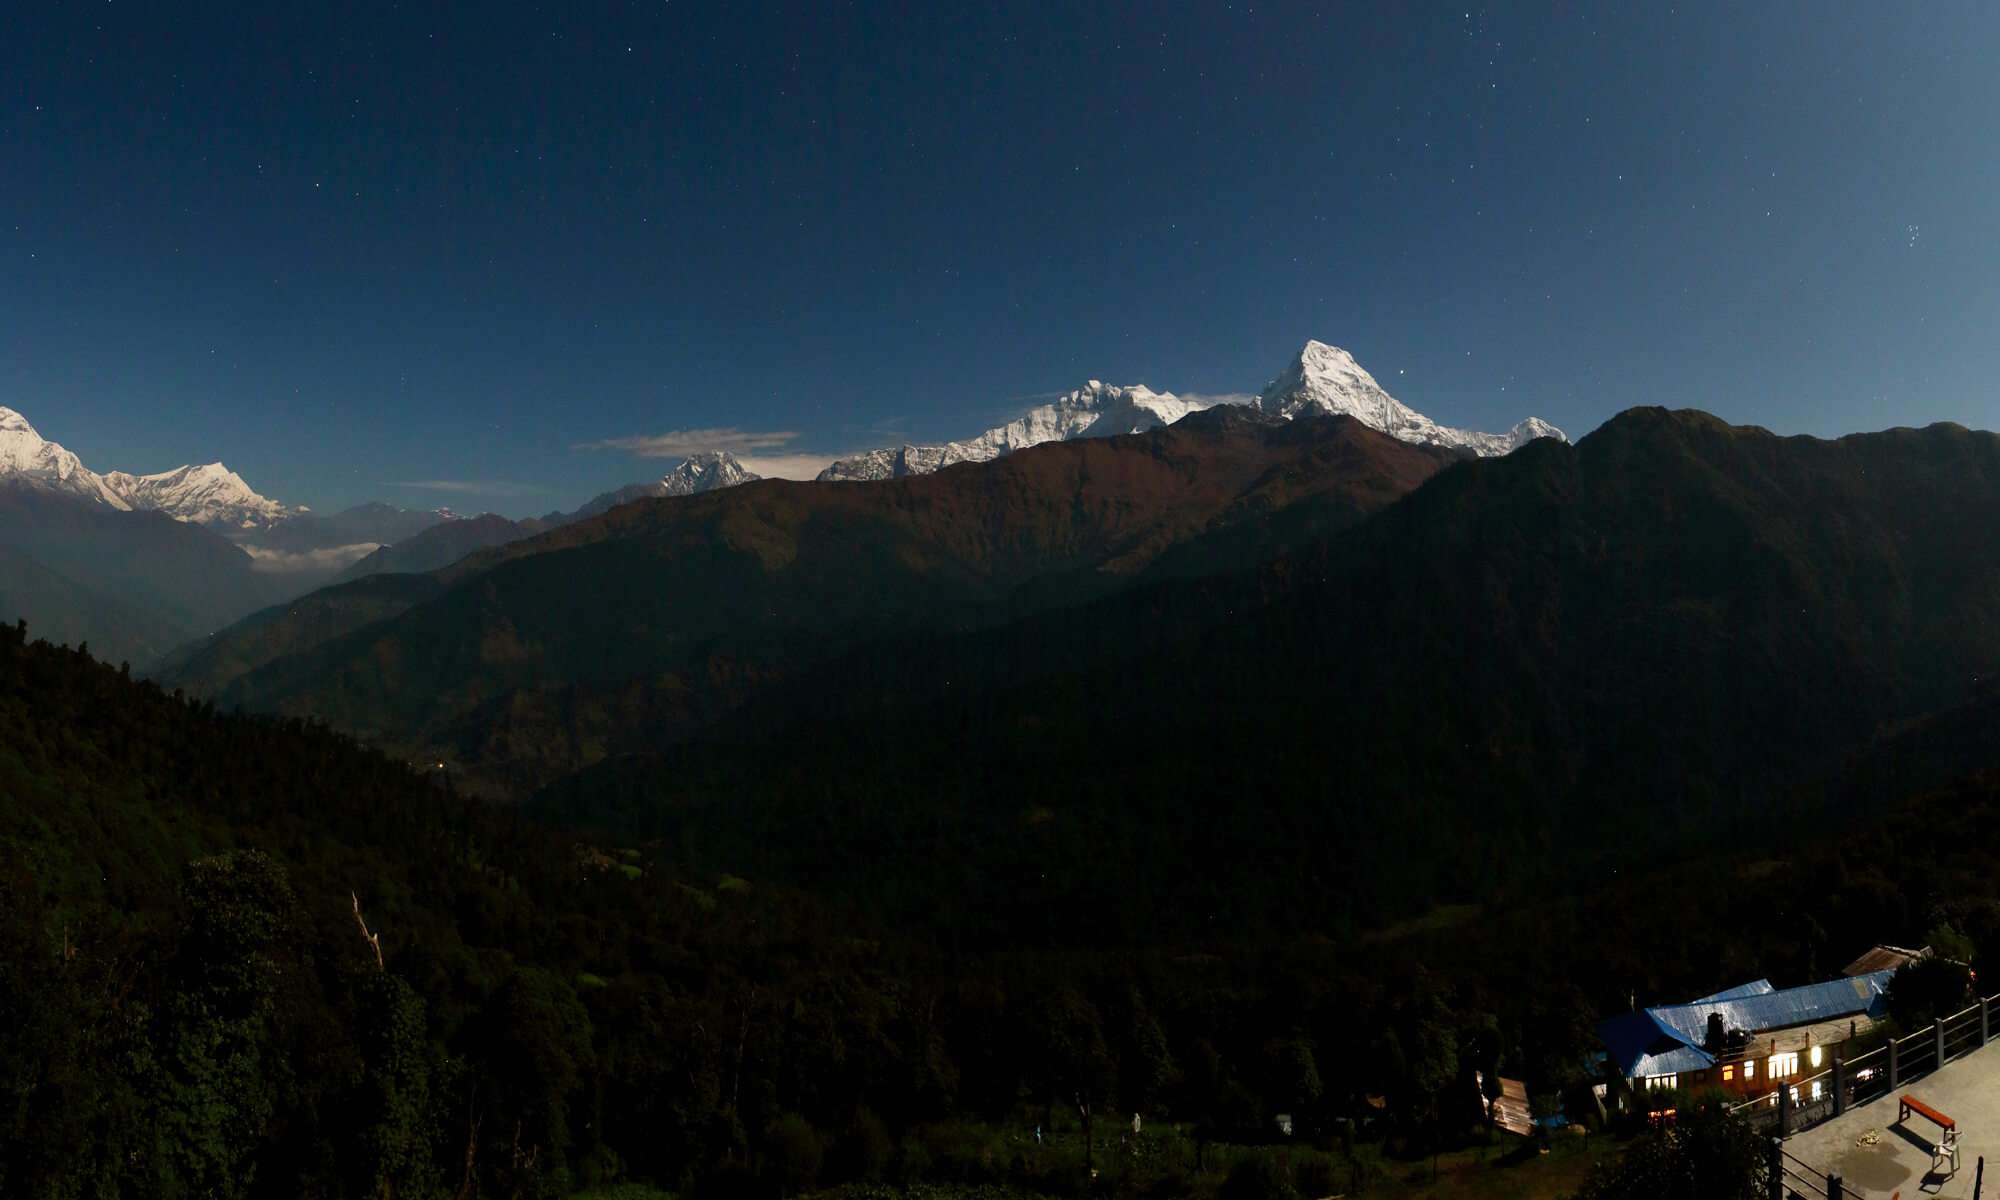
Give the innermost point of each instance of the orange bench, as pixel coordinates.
(1947, 1147)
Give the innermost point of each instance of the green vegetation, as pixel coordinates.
(877, 935)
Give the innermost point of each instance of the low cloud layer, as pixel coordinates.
(288, 562)
(472, 487)
(680, 443)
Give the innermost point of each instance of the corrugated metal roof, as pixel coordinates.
(1668, 1039)
(1780, 1010)
(1883, 958)
(1761, 987)
(1640, 1045)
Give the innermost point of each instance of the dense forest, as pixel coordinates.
(190, 904)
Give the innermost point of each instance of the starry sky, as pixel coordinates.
(431, 253)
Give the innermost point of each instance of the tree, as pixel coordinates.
(862, 1152)
(1929, 988)
(219, 1082)
(1146, 1062)
(1430, 1058)
(530, 1043)
(1706, 1155)
(792, 1152)
(1256, 1178)
(1073, 1065)
(1291, 1073)
(397, 1114)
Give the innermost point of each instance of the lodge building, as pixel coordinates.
(1749, 1039)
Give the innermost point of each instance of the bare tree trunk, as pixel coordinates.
(742, 1042)
(1083, 1112)
(469, 1189)
(374, 940)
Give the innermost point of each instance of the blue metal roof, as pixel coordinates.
(1639, 1044)
(1668, 1039)
(1827, 1001)
(1761, 987)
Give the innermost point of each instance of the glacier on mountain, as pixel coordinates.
(1096, 409)
(26, 457)
(211, 495)
(697, 473)
(1326, 379)
(1319, 379)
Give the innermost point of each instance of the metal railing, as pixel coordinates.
(1801, 1179)
(1792, 1108)
(1867, 1075)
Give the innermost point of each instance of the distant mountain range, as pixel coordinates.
(1320, 379)
(136, 564)
(695, 604)
(211, 495)
(1384, 671)
(259, 551)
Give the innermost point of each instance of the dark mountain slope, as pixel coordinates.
(69, 613)
(606, 635)
(443, 544)
(133, 584)
(1539, 665)
(205, 664)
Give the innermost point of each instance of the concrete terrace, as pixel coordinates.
(1899, 1161)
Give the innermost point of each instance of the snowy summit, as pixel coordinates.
(1094, 410)
(1320, 379)
(27, 458)
(1326, 379)
(212, 495)
(705, 472)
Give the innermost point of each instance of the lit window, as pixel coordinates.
(1815, 1056)
(1728, 1073)
(1815, 1089)
(1784, 1064)
(1662, 1082)
(1750, 1070)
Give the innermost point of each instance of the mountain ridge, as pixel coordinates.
(707, 598)
(1320, 378)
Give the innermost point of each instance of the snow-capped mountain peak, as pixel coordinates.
(705, 472)
(210, 495)
(25, 455)
(1320, 379)
(1096, 409)
(1326, 379)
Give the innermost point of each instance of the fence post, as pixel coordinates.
(1784, 1111)
(1937, 1032)
(1839, 1084)
(1985, 1021)
(1836, 1188)
(1895, 1072)
(1776, 1162)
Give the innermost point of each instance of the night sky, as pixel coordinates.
(349, 248)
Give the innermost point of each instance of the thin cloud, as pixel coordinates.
(472, 487)
(680, 443)
(285, 562)
(1214, 398)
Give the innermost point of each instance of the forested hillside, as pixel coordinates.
(194, 1010)
(1526, 674)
